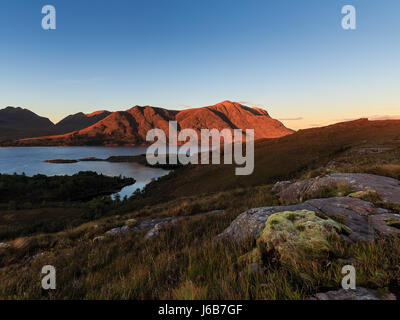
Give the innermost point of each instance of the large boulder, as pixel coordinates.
(250, 223)
(354, 213)
(293, 235)
(338, 184)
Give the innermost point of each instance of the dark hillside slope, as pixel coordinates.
(282, 158)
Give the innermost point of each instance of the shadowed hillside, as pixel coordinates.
(283, 158)
(79, 121)
(19, 123)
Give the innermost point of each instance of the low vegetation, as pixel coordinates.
(185, 261)
(16, 189)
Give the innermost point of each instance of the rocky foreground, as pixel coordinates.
(287, 233)
(200, 248)
(361, 207)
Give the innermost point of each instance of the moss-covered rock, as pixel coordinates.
(395, 223)
(131, 222)
(293, 235)
(367, 195)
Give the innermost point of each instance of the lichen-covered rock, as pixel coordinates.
(352, 212)
(393, 221)
(364, 195)
(130, 222)
(293, 235)
(359, 293)
(387, 188)
(250, 223)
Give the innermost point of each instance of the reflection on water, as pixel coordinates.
(28, 161)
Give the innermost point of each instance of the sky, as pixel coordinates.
(292, 58)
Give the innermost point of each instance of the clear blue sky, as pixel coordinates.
(291, 57)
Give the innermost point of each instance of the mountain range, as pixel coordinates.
(19, 123)
(24, 128)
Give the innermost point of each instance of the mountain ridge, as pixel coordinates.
(130, 127)
(19, 123)
(79, 121)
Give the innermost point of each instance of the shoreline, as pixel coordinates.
(140, 159)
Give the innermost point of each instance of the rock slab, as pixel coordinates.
(362, 217)
(290, 193)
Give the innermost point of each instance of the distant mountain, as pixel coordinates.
(131, 126)
(79, 121)
(19, 123)
(233, 115)
(19, 118)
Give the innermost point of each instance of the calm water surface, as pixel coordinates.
(28, 161)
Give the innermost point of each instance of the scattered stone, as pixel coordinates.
(99, 238)
(4, 245)
(155, 231)
(387, 188)
(352, 212)
(358, 294)
(154, 226)
(150, 224)
(116, 232)
(38, 255)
